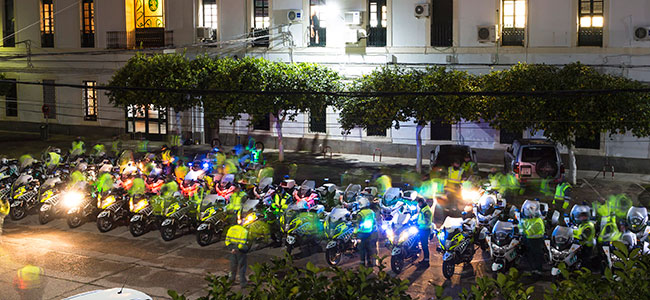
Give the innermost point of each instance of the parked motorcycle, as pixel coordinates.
(115, 208)
(505, 245)
(307, 193)
(78, 202)
(257, 222)
(456, 242)
(340, 232)
(24, 193)
(151, 215)
(563, 248)
(49, 196)
(302, 227)
(487, 211)
(402, 234)
(183, 215)
(214, 220)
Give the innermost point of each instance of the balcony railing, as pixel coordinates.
(144, 38)
(87, 39)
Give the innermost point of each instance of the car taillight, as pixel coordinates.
(516, 168)
(561, 169)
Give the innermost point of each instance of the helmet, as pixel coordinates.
(4, 161)
(530, 209)
(287, 184)
(580, 214)
(628, 239)
(486, 204)
(56, 150)
(81, 167)
(637, 218)
(562, 237)
(363, 202)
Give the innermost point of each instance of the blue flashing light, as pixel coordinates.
(367, 224)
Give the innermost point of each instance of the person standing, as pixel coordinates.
(562, 196)
(367, 233)
(532, 228)
(425, 218)
(237, 243)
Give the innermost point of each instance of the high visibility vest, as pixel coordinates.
(167, 156)
(54, 160)
(235, 201)
(175, 140)
(623, 204)
(280, 202)
(495, 180)
(77, 146)
(366, 221)
(28, 277)
(425, 217)
(116, 146)
(511, 182)
(560, 193)
(545, 187)
(143, 146)
(532, 228)
(454, 176)
(610, 228)
(585, 233)
(4, 207)
(99, 148)
(468, 167)
(237, 235)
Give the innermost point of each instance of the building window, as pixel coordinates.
(49, 98)
(592, 142)
(88, 23)
(47, 23)
(90, 100)
(209, 12)
(149, 19)
(9, 39)
(591, 21)
(375, 131)
(263, 123)
(11, 99)
(317, 23)
(440, 131)
(318, 120)
(442, 23)
(261, 23)
(514, 23)
(506, 137)
(377, 21)
(149, 120)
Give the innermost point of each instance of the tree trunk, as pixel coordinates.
(573, 167)
(418, 147)
(278, 128)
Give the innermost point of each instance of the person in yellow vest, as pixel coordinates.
(425, 219)
(143, 146)
(235, 202)
(238, 244)
(454, 179)
(367, 233)
(545, 187)
(562, 197)
(78, 147)
(469, 167)
(116, 146)
(52, 160)
(532, 228)
(4, 211)
(29, 282)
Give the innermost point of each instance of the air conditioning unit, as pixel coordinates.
(642, 33)
(487, 34)
(422, 10)
(204, 33)
(352, 18)
(294, 15)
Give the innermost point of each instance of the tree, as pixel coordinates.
(385, 112)
(288, 78)
(158, 71)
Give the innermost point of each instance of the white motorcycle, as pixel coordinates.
(563, 248)
(504, 244)
(487, 211)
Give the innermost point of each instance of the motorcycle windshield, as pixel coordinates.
(337, 214)
(50, 182)
(391, 196)
(265, 183)
(125, 158)
(486, 205)
(351, 191)
(503, 232)
(79, 186)
(229, 178)
(637, 216)
(562, 237)
(26, 162)
(306, 186)
(22, 180)
(250, 205)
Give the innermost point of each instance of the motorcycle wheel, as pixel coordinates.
(74, 221)
(204, 237)
(333, 256)
(448, 269)
(397, 263)
(289, 249)
(168, 233)
(137, 228)
(18, 213)
(43, 217)
(104, 224)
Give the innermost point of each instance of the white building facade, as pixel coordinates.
(84, 42)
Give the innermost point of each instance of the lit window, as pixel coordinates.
(377, 19)
(590, 22)
(210, 13)
(317, 23)
(88, 23)
(261, 14)
(90, 100)
(514, 22)
(47, 23)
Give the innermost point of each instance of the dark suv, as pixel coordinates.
(534, 159)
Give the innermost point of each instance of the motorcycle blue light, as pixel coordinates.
(367, 224)
(206, 165)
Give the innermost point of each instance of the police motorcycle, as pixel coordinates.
(504, 244)
(115, 206)
(183, 215)
(149, 215)
(265, 191)
(226, 186)
(8, 174)
(89, 206)
(213, 220)
(637, 223)
(328, 193)
(628, 239)
(563, 248)
(339, 231)
(307, 193)
(456, 242)
(256, 220)
(487, 211)
(401, 231)
(584, 231)
(302, 226)
(24, 191)
(49, 195)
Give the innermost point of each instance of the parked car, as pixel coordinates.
(531, 159)
(444, 155)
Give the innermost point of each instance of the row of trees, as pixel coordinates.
(524, 97)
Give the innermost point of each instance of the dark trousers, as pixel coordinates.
(368, 249)
(534, 253)
(238, 264)
(424, 243)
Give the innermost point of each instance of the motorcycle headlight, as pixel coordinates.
(470, 195)
(390, 235)
(72, 199)
(407, 234)
(249, 219)
(108, 201)
(139, 205)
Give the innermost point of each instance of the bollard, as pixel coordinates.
(375, 152)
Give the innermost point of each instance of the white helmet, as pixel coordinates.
(530, 209)
(363, 202)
